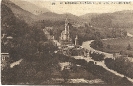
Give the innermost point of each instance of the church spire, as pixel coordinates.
(66, 25)
(66, 21)
(76, 42)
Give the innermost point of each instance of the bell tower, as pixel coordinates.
(65, 35)
(66, 26)
(76, 40)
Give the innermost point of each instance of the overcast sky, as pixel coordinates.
(80, 9)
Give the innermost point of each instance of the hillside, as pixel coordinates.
(31, 12)
(11, 25)
(123, 18)
(87, 17)
(120, 19)
(21, 35)
(60, 17)
(23, 10)
(19, 12)
(36, 10)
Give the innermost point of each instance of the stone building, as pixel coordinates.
(67, 47)
(116, 55)
(5, 60)
(76, 40)
(65, 35)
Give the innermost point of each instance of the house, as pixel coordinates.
(5, 60)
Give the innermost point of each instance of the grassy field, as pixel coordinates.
(118, 45)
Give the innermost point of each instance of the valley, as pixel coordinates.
(42, 47)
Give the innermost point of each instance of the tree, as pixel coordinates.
(97, 44)
(65, 74)
(129, 47)
(97, 56)
(108, 46)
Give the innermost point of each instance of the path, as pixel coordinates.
(15, 63)
(86, 45)
(130, 35)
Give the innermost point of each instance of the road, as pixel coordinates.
(86, 45)
(15, 63)
(130, 35)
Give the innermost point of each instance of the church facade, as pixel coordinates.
(65, 35)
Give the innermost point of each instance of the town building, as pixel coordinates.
(116, 55)
(5, 60)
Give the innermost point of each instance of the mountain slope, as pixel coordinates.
(102, 21)
(30, 18)
(60, 17)
(120, 19)
(30, 7)
(89, 16)
(11, 25)
(123, 19)
(19, 12)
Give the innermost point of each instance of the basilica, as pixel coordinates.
(65, 35)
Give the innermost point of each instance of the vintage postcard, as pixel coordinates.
(66, 42)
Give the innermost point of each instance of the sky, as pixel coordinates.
(80, 8)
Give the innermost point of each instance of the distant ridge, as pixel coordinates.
(32, 13)
(56, 17)
(89, 16)
(118, 19)
(30, 7)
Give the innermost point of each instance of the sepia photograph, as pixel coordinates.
(66, 42)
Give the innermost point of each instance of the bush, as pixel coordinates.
(121, 65)
(97, 57)
(129, 47)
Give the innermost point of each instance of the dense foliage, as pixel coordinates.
(32, 71)
(116, 19)
(121, 65)
(96, 56)
(42, 70)
(25, 40)
(97, 44)
(99, 71)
